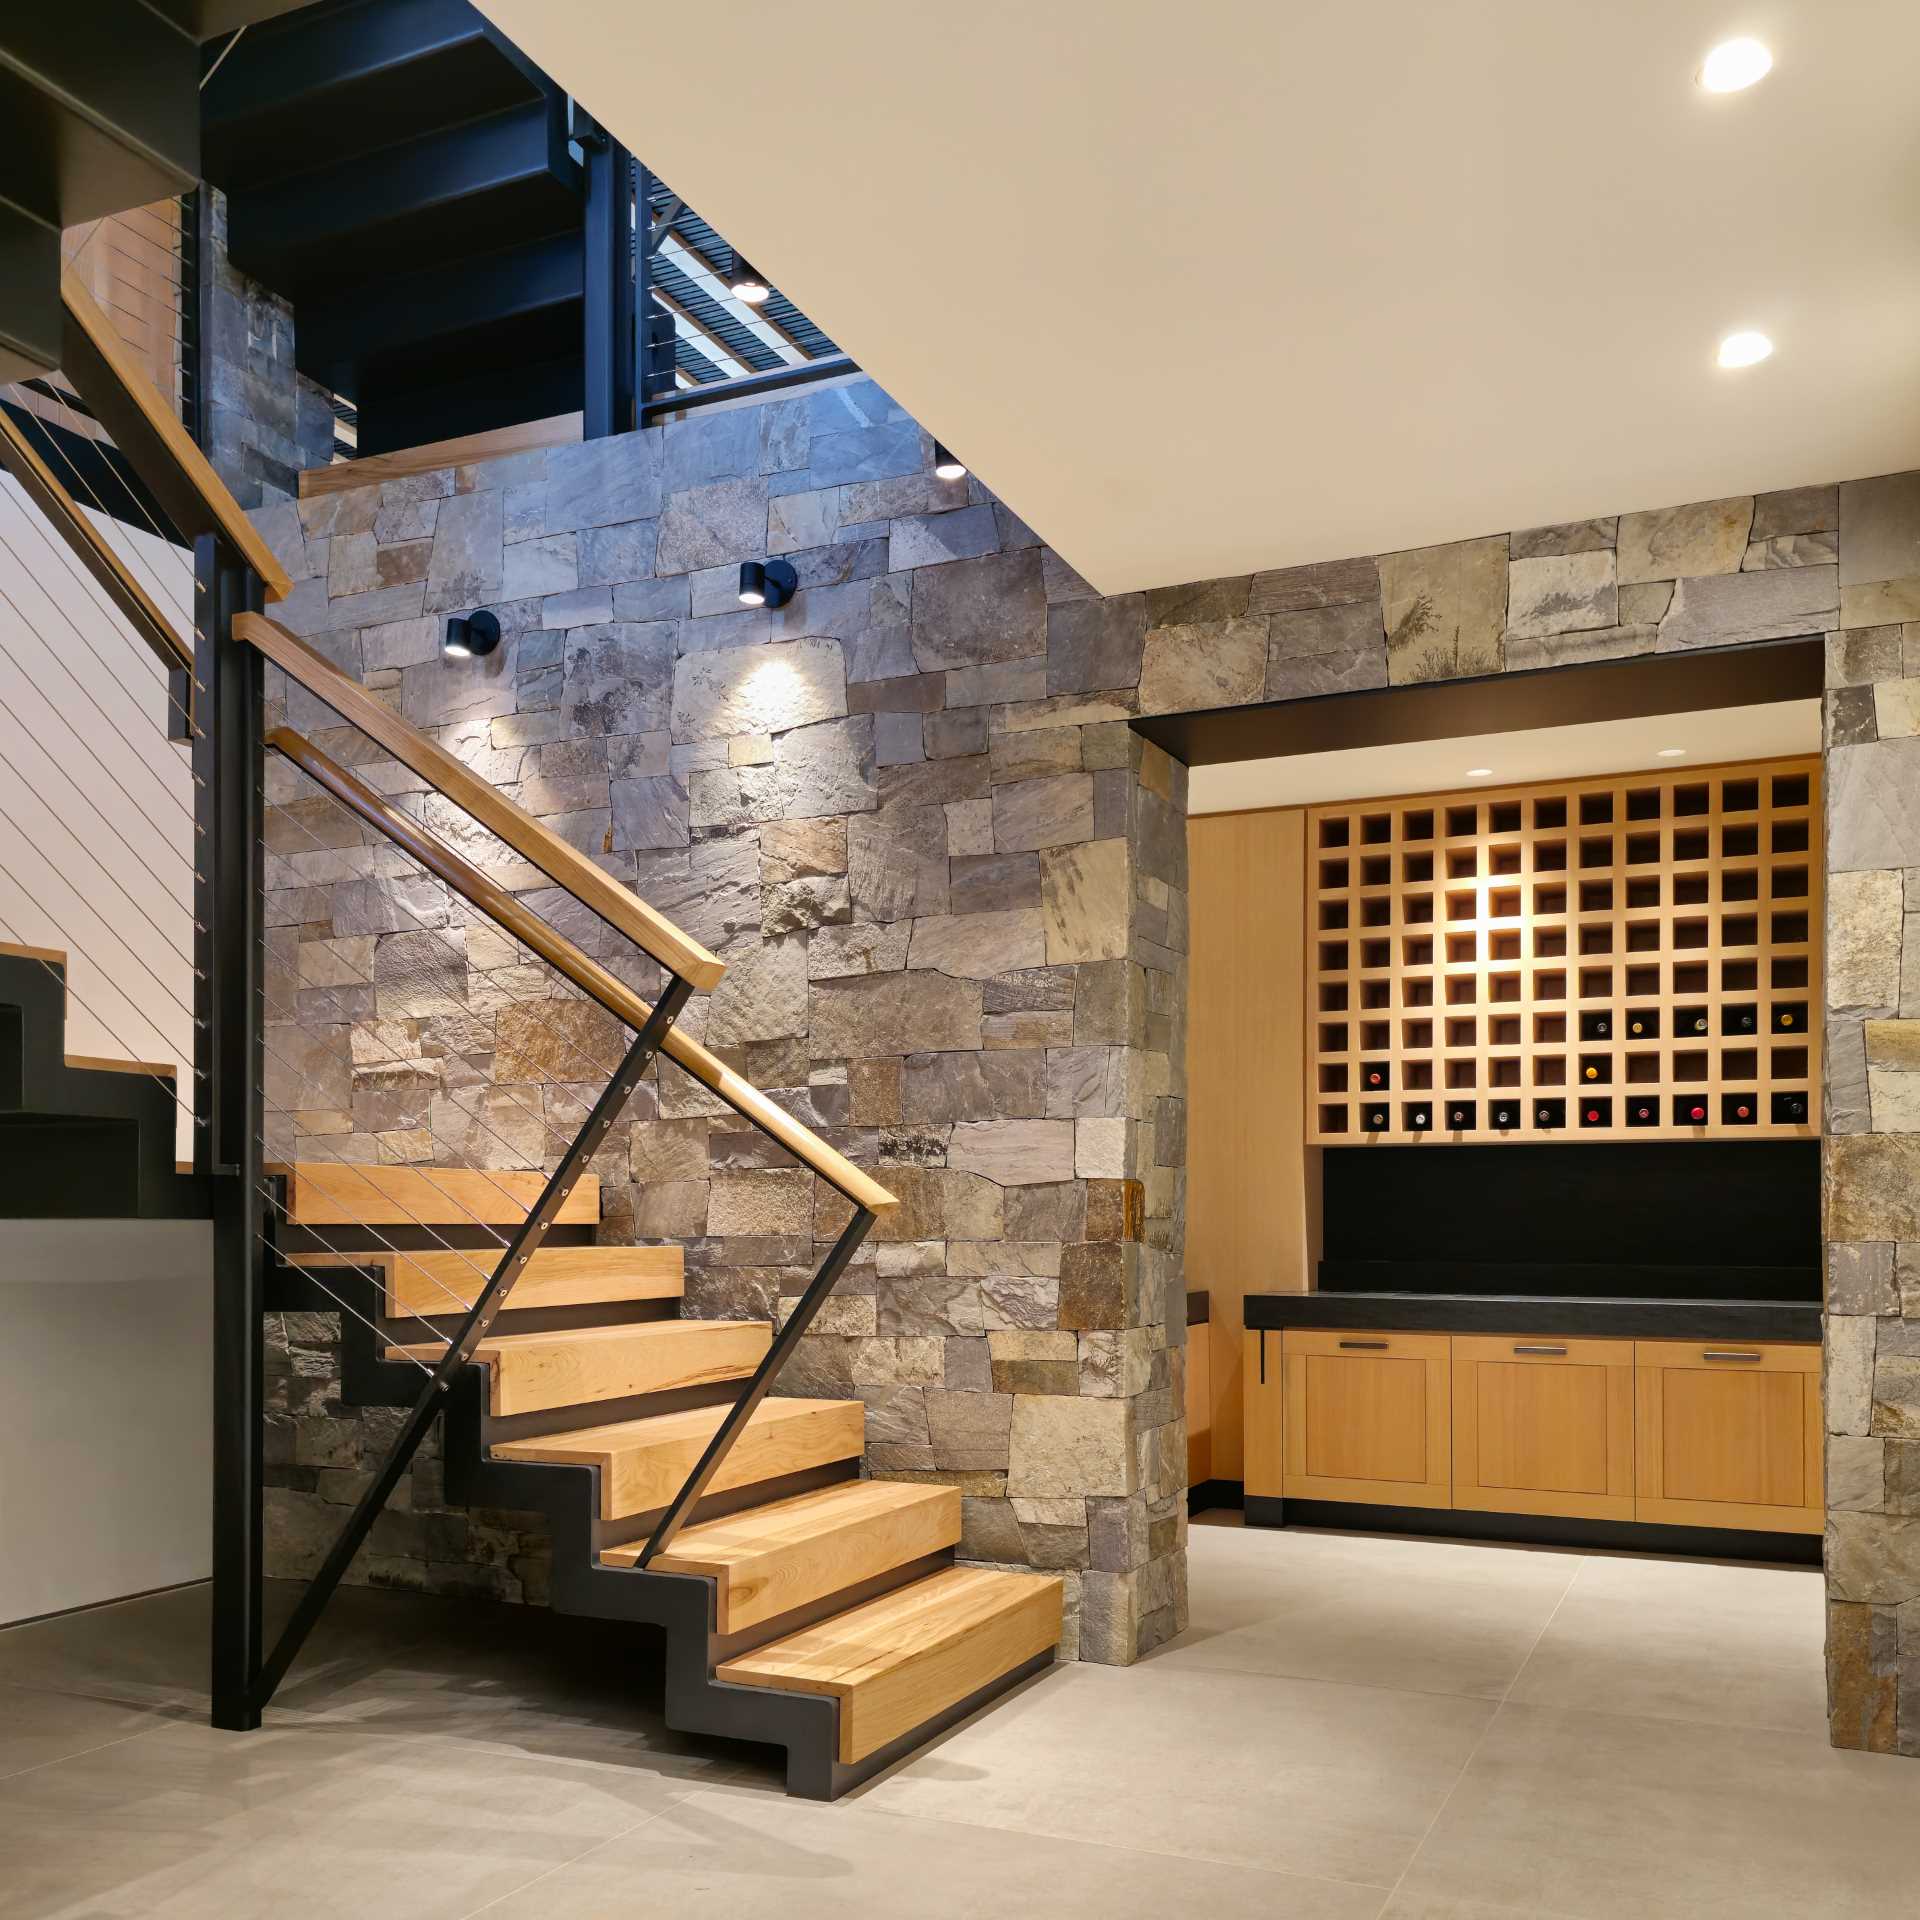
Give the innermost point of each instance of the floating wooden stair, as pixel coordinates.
(329, 1193)
(642, 1462)
(535, 1371)
(439, 1282)
(902, 1659)
(771, 1560)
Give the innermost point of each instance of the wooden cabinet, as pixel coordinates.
(1728, 1435)
(1367, 1417)
(1543, 1425)
(1674, 1432)
(1261, 1403)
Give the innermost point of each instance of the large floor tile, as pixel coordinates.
(743, 1856)
(1598, 1816)
(1687, 1640)
(1435, 1616)
(38, 1727)
(1296, 1776)
(188, 1821)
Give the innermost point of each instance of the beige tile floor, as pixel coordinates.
(1352, 1729)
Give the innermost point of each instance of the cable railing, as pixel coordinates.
(139, 779)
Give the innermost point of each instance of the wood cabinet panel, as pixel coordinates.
(1728, 1435)
(1261, 1400)
(1543, 1425)
(1367, 1417)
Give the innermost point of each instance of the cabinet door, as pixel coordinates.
(1543, 1426)
(1728, 1435)
(1367, 1418)
(1260, 1400)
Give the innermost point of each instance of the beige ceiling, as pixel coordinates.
(1770, 732)
(1205, 288)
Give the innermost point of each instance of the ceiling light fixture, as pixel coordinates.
(945, 466)
(1735, 64)
(1744, 349)
(768, 583)
(744, 284)
(471, 636)
(1671, 753)
(1479, 773)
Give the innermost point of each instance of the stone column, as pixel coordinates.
(1873, 1123)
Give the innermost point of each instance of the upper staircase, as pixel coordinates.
(803, 1605)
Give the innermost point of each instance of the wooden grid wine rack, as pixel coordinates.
(1636, 957)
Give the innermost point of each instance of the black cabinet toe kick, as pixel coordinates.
(1538, 1530)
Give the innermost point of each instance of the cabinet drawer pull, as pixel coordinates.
(1558, 1350)
(1723, 1353)
(1372, 1345)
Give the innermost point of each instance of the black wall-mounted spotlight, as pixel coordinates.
(470, 636)
(945, 466)
(744, 284)
(768, 583)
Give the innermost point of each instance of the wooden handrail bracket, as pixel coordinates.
(112, 381)
(567, 867)
(592, 979)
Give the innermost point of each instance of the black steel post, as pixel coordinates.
(757, 1388)
(229, 1101)
(653, 324)
(460, 1349)
(607, 282)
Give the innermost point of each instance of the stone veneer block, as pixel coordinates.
(1219, 663)
(1572, 536)
(1061, 1445)
(1879, 522)
(1723, 610)
(1445, 609)
(1873, 1188)
(1709, 536)
(1873, 807)
(1326, 583)
(758, 690)
(1560, 593)
(975, 613)
(1864, 913)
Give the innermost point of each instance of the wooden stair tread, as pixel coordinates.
(643, 1461)
(341, 1193)
(766, 1561)
(532, 1372)
(436, 1282)
(895, 1662)
(51, 955)
(90, 1063)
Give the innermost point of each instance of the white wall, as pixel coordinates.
(106, 1410)
(95, 803)
(105, 1326)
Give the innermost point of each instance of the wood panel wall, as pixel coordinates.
(1249, 1227)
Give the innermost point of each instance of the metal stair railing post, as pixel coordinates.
(460, 1350)
(229, 953)
(757, 1388)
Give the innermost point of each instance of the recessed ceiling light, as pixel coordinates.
(1734, 64)
(1744, 349)
(1671, 753)
(1479, 773)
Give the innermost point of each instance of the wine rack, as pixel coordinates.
(1636, 957)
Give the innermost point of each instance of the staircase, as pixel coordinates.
(80, 1138)
(803, 1606)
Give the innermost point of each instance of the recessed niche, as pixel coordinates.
(1462, 989)
(1739, 843)
(1505, 943)
(1376, 829)
(1690, 933)
(1504, 903)
(1333, 956)
(1596, 896)
(1692, 889)
(1643, 891)
(1333, 1119)
(1550, 899)
(1503, 1073)
(1739, 930)
(1691, 843)
(1462, 822)
(1416, 1035)
(1549, 814)
(1549, 856)
(1596, 853)
(1416, 993)
(1596, 983)
(1643, 803)
(1789, 790)
(1376, 1036)
(1463, 906)
(1643, 936)
(1549, 943)
(1740, 883)
(1642, 982)
(1462, 949)
(1503, 1030)
(1333, 996)
(1502, 860)
(1549, 1070)
(1503, 816)
(1787, 970)
(1691, 800)
(1643, 1069)
(1789, 836)
(1416, 950)
(1789, 883)
(1690, 1067)
(1333, 1077)
(1333, 832)
(1416, 909)
(1376, 910)
(1740, 1065)
(1333, 915)
(1503, 986)
(1596, 939)
(1376, 870)
(1417, 825)
(1375, 994)
(1739, 976)
(1740, 796)
(1789, 929)
(1334, 875)
(1550, 986)
(1333, 1036)
(1643, 850)
(1463, 1073)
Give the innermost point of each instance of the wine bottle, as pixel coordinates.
(1740, 1019)
(1460, 1116)
(1643, 1025)
(1790, 1017)
(1596, 1026)
(1690, 1020)
(1596, 1113)
(1376, 1075)
(1642, 1113)
(1789, 1109)
(1505, 1115)
(1736, 1109)
(1420, 1118)
(1375, 1119)
(1550, 1113)
(1689, 1110)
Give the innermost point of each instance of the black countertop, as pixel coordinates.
(1618, 1318)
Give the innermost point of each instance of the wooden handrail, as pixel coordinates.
(113, 383)
(750, 1103)
(62, 512)
(565, 865)
(615, 995)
